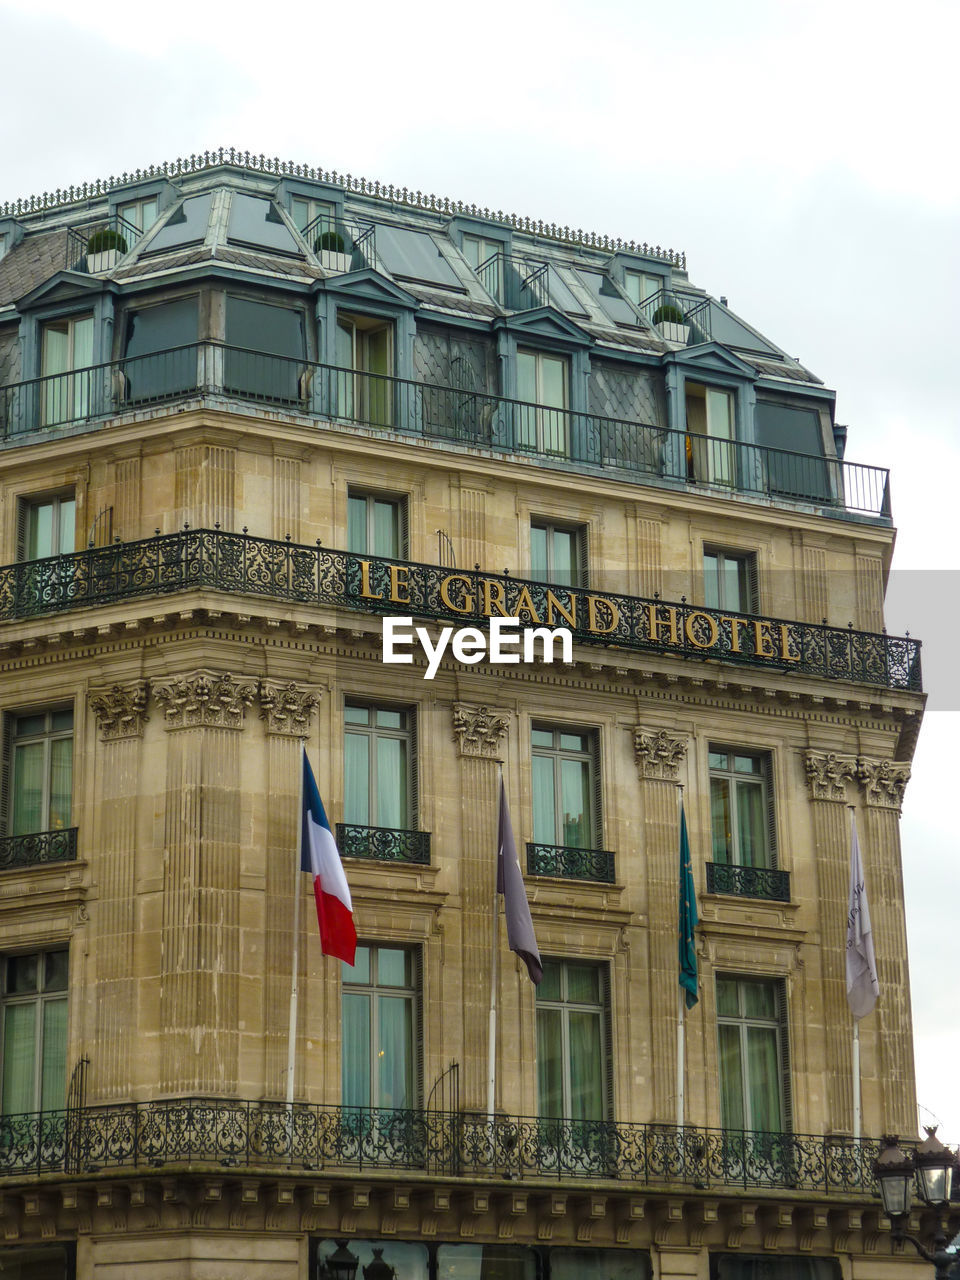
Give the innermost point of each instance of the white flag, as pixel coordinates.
(862, 985)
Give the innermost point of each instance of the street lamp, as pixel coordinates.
(932, 1166)
(378, 1269)
(341, 1265)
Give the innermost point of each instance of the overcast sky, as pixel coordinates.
(804, 156)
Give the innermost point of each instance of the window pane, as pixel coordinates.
(539, 567)
(28, 768)
(731, 1078)
(711, 580)
(61, 783)
(394, 967)
(586, 1066)
(356, 769)
(356, 715)
(550, 1063)
(19, 1058)
(575, 803)
(549, 988)
(357, 525)
(55, 971)
(727, 1002)
(23, 974)
(389, 719)
(355, 1086)
(53, 1078)
(759, 1000)
(386, 529)
(391, 782)
(572, 742)
(526, 376)
(720, 819)
(719, 416)
(564, 556)
(764, 1078)
(55, 356)
(360, 971)
(544, 800)
(583, 983)
(40, 531)
(554, 381)
(751, 826)
(395, 1054)
(67, 530)
(542, 737)
(734, 584)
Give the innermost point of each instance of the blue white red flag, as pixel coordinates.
(319, 855)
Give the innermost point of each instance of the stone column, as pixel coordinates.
(478, 732)
(121, 712)
(200, 946)
(827, 775)
(288, 711)
(883, 784)
(659, 757)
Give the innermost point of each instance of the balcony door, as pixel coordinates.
(710, 435)
(66, 355)
(543, 417)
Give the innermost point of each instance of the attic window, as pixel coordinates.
(186, 225)
(258, 223)
(413, 255)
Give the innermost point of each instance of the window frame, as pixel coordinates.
(715, 463)
(556, 752)
(373, 732)
(50, 734)
(566, 1006)
(373, 497)
(535, 423)
(779, 1022)
(768, 807)
(138, 204)
(749, 583)
(28, 504)
(40, 998)
(412, 994)
(579, 573)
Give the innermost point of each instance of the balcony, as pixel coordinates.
(748, 882)
(678, 317)
(570, 864)
(272, 1135)
(101, 244)
(551, 437)
(383, 844)
(39, 849)
(239, 564)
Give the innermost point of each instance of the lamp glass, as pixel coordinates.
(895, 1192)
(935, 1181)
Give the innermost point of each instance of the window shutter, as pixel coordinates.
(23, 514)
(608, 1054)
(753, 588)
(597, 792)
(413, 756)
(766, 765)
(583, 563)
(6, 778)
(403, 528)
(786, 1084)
(418, 1024)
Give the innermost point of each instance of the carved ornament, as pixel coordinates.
(205, 700)
(479, 730)
(883, 782)
(287, 708)
(827, 774)
(121, 710)
(658, 754)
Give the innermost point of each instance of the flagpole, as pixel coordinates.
(857, 1108)
(494, 977)
(680, 992)
(292, 1033)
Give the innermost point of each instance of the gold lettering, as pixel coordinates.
(553, 603)
(525, 605)
(692, 635)
(365, 591)
(493, 595)
(592, 622)
(735, 625)
(396, 582)
(467, 606)
(762, 639)
(785, 645)
(656, 621)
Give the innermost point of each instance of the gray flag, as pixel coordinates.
(515, 906)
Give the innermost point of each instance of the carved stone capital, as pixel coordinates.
(883, 782)
(827, 774)
(204, 700)
(478, 731)
(121, 710)
(287, 708)
(658, 754)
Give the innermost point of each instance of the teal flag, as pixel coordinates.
(688, 919)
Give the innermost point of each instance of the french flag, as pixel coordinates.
(319, 855)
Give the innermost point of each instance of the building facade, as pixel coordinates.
(247, 411)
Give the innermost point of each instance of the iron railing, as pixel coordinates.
(556, 437)
(240, 564)
(748, 882)
(384, 844)
(38, 849)
(341, 243)
(116, 234)
(570, 864)
(259, 1135)
(681, 317)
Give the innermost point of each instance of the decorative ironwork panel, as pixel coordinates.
(748, 882)
(570, 864)
(384, 844)
(38, 849)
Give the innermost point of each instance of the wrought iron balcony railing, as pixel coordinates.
(570, 864)
(680, 317)
(265, 1135)
(748, 882)
(385, 844)
(38, 849)
(100, 244)
(240, 564)
(550, 436)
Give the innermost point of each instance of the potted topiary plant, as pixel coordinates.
(329, 246)
(669, 319)
(104, 248)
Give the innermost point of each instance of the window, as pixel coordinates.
(40, 747)
(710, 435)
(34, 1048)
(486, 258)
(139, 215)
(47, 526)
(305, 211)
(572, 1041)
(640, 287)
(160, 354)
(751, 1028)
(66, 346)
(741, 809)
(364, 345)
(380, 1028)
(558, 554)
(543, 386)
(379, 761)
(793, 460)
(266, 347)
(566, 799)
(376, 525)
(730, 580)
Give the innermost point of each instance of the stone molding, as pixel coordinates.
(479, 730)
(883, 782)
(206, 700)
(287, 708)
(827, 774)
(121, 710)
(658, 755)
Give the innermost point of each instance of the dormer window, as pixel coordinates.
(711, 456)
(66, 354)
(543, 382)
(481, 252)
(139, 215)
(641, 287)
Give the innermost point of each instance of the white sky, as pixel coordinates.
(803, 154)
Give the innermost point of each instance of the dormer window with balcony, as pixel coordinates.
(139, 215)
(66, 354)
(265, 352)
(711, 434)
(485, 257)
(365, 346)
(543, 387)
